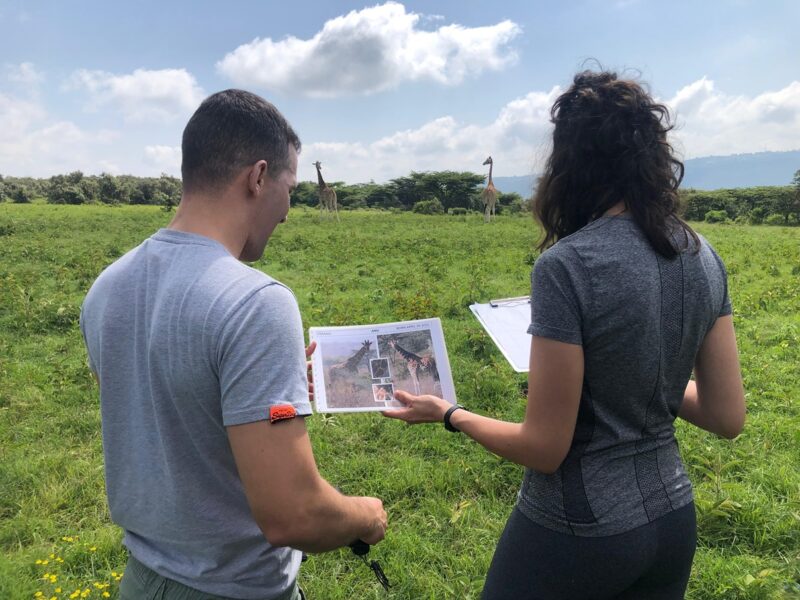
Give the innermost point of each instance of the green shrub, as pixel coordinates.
(429, 207)
(775, 220)
(757, 215)
(716, 216)
(458, 210)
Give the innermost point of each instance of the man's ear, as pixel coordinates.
(257, 177)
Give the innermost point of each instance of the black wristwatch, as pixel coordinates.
(447, 424)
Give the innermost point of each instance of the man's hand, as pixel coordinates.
(309, 351)
(378, 520)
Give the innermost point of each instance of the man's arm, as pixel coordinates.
(292, 504)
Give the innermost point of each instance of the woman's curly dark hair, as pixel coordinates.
(610, 145)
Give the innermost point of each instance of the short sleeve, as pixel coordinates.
(557, 285)
(261, 357)
(726, 309)
(82, 324)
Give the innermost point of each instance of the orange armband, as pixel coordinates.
(281, 412)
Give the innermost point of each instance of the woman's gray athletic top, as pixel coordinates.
(640, 319)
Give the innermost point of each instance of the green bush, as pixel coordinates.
(458, 210)
(757, 215)
(429, 207)
(775, 220)
(716, 216)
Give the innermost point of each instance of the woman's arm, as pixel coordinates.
(542, 440)
(715, 400)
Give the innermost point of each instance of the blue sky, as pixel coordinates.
(376, 90)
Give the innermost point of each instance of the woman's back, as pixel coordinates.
(641, 319)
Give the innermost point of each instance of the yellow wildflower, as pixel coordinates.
(38, 594)
(58, 590)
(59, 559)
(38, 561)
(52, 556)
(53, 578)
(106, 595)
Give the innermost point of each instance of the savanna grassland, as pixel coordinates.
(447, 499)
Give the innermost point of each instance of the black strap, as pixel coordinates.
(447, 424)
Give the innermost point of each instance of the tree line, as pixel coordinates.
(77, 188)
(773, 205)
(428, 192)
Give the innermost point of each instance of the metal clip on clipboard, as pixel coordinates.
(516, 301)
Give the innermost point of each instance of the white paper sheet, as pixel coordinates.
(506, 322)
(358, 368)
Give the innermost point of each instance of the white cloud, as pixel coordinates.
(34, 144)
(514, 140)
(25, 74)
(166, 159)
(143, 95)
(368, 51)
(711, 122)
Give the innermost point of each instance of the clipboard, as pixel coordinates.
(506, 320)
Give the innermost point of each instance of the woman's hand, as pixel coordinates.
(418, 409)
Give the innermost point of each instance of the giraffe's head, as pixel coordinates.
(488, 161)
(319, 165)
(366, 344)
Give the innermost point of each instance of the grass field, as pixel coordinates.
(447, 499)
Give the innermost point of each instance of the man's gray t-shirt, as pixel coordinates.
(186, 341)
(640, 319)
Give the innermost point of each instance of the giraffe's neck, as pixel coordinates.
(491, 164)
(320, 180)
(405, 353)
(356, 358)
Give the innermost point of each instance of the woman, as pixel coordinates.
(626, 302)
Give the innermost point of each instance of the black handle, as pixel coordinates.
(359, 547)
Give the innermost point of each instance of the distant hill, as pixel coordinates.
(521, 184)
(706, 173)
(741, 170)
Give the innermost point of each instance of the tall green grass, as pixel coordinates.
(447, 498)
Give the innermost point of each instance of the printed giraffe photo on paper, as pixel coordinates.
(384, 393)
(358, 368)
(379, 368)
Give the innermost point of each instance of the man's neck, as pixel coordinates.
(212, 219)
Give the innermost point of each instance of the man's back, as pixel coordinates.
(187, 341)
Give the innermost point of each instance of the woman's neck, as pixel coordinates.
(615, 210)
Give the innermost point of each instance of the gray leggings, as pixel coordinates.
(650, 562)
(142, 583)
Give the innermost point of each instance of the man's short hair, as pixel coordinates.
(229, 131)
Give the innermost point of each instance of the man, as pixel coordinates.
(202, 374)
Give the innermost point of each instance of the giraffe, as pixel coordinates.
(339, 370)
(383, 393)
(416, 363)
(489, 194)
(327, 196)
